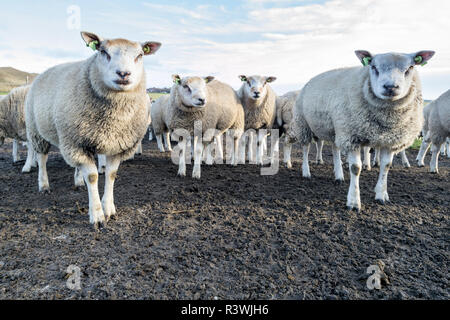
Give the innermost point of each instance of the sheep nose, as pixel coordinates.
(256, 94)
(123, 74)
(390, 86)
(202, 101)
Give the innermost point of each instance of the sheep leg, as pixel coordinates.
(251, 155)
(15, 151)
(30, 158)
(354, 165)
(319, 147)
(423, 150)
(448, 147)
(287, 149)
(275, 152)
(260, 148)
(434, 157)
(42, 175)
(241, 150)
(219, 148)
(237, 150)
(139, 148)
(78, 178)
(167, 142)
(159, 142)
(305, 165)
(182, 158)
(381, 194)
(90, 175)
(337, 163)
(101, 163)
(442, 149)
(198, 149)
(150, 134)
(366, 160)
(376, 158)
(112, 165)
(405, 161)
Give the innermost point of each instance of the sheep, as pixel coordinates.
(378, 105)
(436, 129)
(94, 106)
(259, 102)
(445, 148)
(12, 123)
(160, 123)
(284, 105)
(215, 104)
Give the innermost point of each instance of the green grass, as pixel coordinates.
(155, 96)
(3, 93)
(416, 144)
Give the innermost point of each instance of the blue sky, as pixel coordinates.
(292, 40)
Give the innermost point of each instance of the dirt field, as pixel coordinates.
(232, 235)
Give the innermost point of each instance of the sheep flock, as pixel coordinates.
(98, 110)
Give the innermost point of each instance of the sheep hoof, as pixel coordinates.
(382, 202)
(339, 181)
(367, 167)
(319, 162)
(79, 188)
(45, 190)
(352, 208)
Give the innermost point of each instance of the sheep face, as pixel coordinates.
(391, 74)
(255, 86)
(119, 61)
(192, 91)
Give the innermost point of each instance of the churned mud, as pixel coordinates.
(234, 234)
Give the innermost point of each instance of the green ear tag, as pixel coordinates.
(366, 61)
(178, 81)
(420, 61)
(147, 50)
(93, 45)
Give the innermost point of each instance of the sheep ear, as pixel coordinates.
(176, 79)
(91, 39)
(243, 78)
(364, 56)
(150, 47)
(270, 79)
(422, 57)
(209, 79)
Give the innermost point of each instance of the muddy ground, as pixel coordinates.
(232, 235)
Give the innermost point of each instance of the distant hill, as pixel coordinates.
(11, 78)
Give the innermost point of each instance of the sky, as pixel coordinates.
(293, 40)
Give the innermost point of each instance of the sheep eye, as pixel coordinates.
(187, 88)
(375, 70)
(104, 53)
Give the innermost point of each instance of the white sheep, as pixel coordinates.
(12, 123)
(94, 106)
(285, 104)
(436, 129)
(259, 102)
(378, 105)
(160, 123)
(214, 104)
